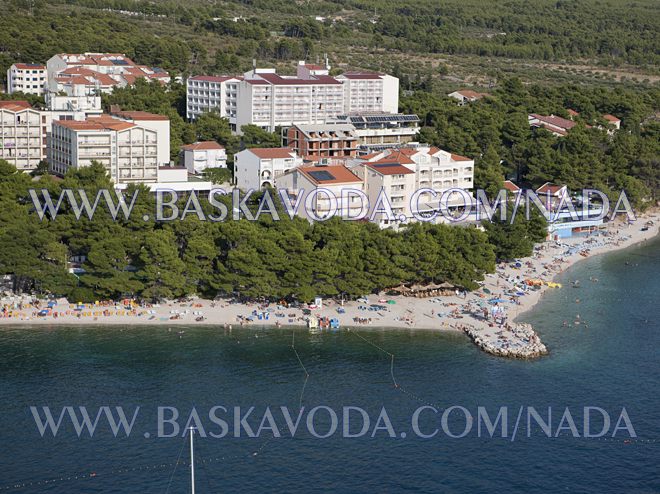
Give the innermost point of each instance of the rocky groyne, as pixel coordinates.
(518, 341)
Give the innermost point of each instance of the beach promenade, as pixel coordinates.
(487, 315)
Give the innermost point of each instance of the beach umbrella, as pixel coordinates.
(391, 302)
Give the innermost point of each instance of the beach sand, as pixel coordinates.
(448, 313)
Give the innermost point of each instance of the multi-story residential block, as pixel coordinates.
(270, 100)
(28, 78)
(317, 141)
(264, 98)
(153, 121)
(377, 131)
(262, 167)
(324, 190)
(205, 93)
(93, 73)
(387, 180)
(23, 134)
(428, 168)
(199, 156)
(370, 92)
(440, 170)
(128, 151)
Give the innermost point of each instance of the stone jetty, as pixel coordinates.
(519, 341)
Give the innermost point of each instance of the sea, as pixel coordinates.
(391, 410)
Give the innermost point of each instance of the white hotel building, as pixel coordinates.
(206, 93)
(28, 78)
(264, 98)
(370, 92)
(128, 150)
(23, 133)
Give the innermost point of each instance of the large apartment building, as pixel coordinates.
(23, 134)
(269, 100)
(28, 78)
(264, 98)
(128, 150)
(205, 93)
(438, 169)
(370, 92)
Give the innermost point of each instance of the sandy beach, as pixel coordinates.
(490, 310)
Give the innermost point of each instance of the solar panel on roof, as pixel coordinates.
(119, 62)
(321, 176)
(385, 165)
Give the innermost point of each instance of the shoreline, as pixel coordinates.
(489, 315)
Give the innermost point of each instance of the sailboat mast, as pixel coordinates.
(192, 461)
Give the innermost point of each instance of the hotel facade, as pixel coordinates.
(264, 98)
(23, 134)
(28, 78)
(129, 151)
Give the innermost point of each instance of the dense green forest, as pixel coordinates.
(224, 36)
(286, 259)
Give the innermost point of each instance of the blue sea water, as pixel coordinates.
(610, 361)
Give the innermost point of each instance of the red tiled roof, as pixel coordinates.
(470, 94)
(278, 80)
(105, 80)
(362, 75)
(96, 123)
(29, 66)
(337, 174)
(389, 168)
(371, 156)
(312, 66)
(211, 78)
(15, 106)
(271, 153)
(555, 121)
(458, 157)
(548, 188)
(510, 186)
(408, 151)
(396, 157)
(201, 146)
(611, 118)
(140, 115)
(78, 71)
(572, 113)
